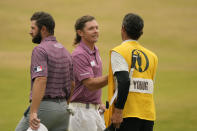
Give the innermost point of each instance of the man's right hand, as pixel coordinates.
(117, 117)
(34, 122)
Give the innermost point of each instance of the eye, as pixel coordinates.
(91, 28)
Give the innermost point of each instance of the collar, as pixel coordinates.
(50, 38)
(87, 49)
(129, 40)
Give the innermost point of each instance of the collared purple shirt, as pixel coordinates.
(50, 59)
(86, 64)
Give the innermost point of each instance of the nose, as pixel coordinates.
(30, 32)
(96, 30)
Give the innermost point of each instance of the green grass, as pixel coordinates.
(170, 31)
(15, 86)
(175, 101)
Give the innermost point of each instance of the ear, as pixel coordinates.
(43, 29)
(123, 29)
(123, 33)
(80, 33)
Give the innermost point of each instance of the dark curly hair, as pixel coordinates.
(133, 25)
(44, 19)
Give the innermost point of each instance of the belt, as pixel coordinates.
(55, 99)
(85, 105)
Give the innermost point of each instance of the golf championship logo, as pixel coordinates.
(142, 62)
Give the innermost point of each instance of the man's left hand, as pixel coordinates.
(102, 108)
(34, 122)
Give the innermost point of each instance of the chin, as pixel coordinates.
(95, 40)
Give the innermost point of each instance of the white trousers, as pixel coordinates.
(85, 119)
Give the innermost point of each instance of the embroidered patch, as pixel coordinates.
(38, 69)
(93, 63)
(58, 45)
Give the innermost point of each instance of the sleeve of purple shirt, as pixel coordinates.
(82, 68)
(72, 71)
(39, 63)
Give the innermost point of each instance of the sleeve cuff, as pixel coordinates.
(85, 76)
(38, 75)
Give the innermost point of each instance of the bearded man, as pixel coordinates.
(51, 78)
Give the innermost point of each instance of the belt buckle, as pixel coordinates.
(87, 105)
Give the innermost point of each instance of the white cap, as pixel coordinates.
(41, 128)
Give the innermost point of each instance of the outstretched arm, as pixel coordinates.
(95, 83)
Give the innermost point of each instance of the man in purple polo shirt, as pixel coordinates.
(86, 96)
(51, 78)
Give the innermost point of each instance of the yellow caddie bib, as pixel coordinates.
(140, 101)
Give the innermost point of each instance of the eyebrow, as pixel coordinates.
(93, 27)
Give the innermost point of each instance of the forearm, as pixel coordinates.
(71, 91)
(72, 86)
(95, 83)
(123, 88)
(37, 93)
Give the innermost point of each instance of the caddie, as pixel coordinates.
(131, 80)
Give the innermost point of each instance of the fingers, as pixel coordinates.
(117, 118)
(102, 106)
(34, 126)
(34, 122)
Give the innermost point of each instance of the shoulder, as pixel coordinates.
(78, 51)
(117, 57)
(150, 53)
(123, 48)
(117, 47)
(118, 62)
(39, 49)
(79, 55)
(66, 51)
(115, 54)
(154, 55)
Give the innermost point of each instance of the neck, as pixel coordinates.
(126, 38)
(90, 45)
(124, 35)
(45, 35)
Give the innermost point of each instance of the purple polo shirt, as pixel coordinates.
(86, 64)
(50, 59)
